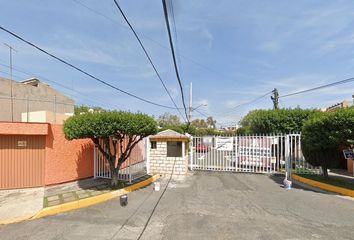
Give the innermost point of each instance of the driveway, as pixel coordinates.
(204, 206)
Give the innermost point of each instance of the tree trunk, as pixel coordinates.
(115, 183)
(325, 172)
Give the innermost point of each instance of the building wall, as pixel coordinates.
(22, 159)
(161, 164)
(67, 160)
(46, 159)
(41, 98)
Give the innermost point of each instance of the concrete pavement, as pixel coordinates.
(204, 206)
(19, 203)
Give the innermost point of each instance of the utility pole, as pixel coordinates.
(190, 103)
(11, 91)
(275, 99)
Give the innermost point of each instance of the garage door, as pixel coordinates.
(21, 161)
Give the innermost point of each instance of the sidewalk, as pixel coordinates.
(19, 203)
(342, 175)
(24, 203)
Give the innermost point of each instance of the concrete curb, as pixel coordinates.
(324, 186)
(65, 207)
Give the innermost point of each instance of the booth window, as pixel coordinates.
(174, 149)
(153, 145)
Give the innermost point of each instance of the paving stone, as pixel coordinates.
(101, 187)
(70, 194)
(52, 198)
(69, 199)
(53, 203)
(90, 190)
(81, 191)
(83, 195)
(95, 193)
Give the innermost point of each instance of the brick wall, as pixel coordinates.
(161, 164)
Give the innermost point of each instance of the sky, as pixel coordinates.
(232, 51)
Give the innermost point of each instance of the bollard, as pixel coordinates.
(287, 184)
(124, 200)
(157, 186)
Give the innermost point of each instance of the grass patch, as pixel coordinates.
(332, 181)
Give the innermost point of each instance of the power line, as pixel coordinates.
(31, 74)
(175, 36)
(173, 56)
(146, 37)
(84, 72)
(319, 87)
(246, 103)
(148, 57)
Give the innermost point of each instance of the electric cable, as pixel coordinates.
(173, 56)
(84, 72)
(148, 57)
(319, 87)
(147, 37)
(31, 74)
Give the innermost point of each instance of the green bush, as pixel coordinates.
(325, 136)
(275, 121)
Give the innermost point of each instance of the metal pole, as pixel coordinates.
(55, 109)
(11, 90)
(190, 102)
(27, 109)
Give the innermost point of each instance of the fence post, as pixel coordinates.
(129, 172)
(147, 154)
(94, 162)
(236, 153)
(288, 164)
(191, 153)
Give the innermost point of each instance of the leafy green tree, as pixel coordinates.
(108, 130)
(325, 136)
(168, 119)
(275, 121)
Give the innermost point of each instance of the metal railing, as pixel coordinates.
(265, 153)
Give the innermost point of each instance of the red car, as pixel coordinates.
(201, 148)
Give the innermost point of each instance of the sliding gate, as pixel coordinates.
(256, 154)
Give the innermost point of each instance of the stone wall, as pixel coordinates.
(161, 164)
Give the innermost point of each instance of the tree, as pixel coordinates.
(325, 136)
(168, 119)
(275, 121)
(108, 130)
(182, 128)
(211, 122)
(199, 123)
(85, 109)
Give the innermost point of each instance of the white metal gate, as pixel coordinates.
(134, 167)
(250, 153)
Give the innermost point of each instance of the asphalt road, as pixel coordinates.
(206, 205)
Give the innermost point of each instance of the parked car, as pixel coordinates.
(201, 148)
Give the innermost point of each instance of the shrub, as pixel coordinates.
(275, 121)
(325, 136)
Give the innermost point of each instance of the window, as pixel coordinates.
(174, 149)
(153, 145)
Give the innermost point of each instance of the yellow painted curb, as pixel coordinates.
(65, 207)
(15, 220)
(324, 186)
